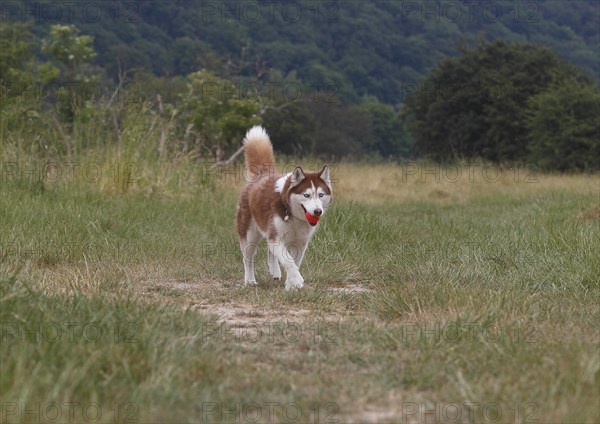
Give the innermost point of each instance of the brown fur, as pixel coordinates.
(258, 153)
(259, 199)
(284, 209)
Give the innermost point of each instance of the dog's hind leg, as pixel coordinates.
(248, 245)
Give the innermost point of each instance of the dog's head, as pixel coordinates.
(309, 194)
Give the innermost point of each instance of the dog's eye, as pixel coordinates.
(306, 195)
(321, 194)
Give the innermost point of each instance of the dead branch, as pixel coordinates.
(163, 136)
(66, 138)
(116, 129)
(186, 137)
(233, 157)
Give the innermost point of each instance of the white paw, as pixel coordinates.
(250, 282)
(275, 272)
(294, 281)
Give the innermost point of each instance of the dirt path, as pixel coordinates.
(222, 299)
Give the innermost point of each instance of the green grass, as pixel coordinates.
(480, 298)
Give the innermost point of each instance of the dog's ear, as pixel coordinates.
(297, 176)
(324, 175)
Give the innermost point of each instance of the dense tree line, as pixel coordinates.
(508, 103)
(335, 79)
(59, 91)
(365, 48)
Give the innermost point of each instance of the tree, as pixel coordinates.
(291, 128)
(476, 105)
(22, 75)
(69, 48)
(389, 138)
(340, 131)
(19, 67)
(15, 51)
(190, 55)
(564, 127)
(218, 111)
(325, 129)
(72, 51)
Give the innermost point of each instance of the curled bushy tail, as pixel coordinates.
(258, 152)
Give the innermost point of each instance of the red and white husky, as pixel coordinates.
(284, 209)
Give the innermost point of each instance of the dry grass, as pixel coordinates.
(419, 181)
(417, 255)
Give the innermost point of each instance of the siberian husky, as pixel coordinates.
(284, 209)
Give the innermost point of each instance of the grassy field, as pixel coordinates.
(433, 295)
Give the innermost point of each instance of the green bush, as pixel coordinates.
(564, 127)
(478, 105)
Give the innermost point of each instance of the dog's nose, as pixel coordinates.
(317, 212)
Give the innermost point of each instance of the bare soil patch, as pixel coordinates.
(221, 299)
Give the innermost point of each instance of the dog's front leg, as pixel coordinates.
(301, 250)
(293, 278)
(273, 265)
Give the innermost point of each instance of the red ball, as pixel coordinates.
(312, 220)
